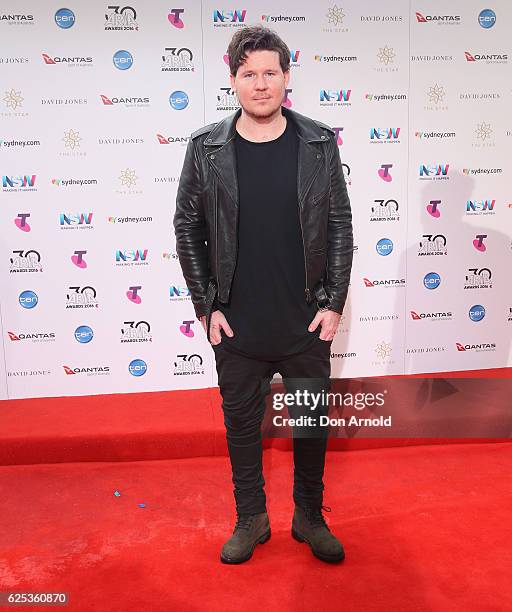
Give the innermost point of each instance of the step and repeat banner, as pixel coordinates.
(97, 104)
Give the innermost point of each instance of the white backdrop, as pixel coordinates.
(92, 141)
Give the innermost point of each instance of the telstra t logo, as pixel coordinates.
(287, 103)
(478, 242)
(186, 329)
(433, 209)
(337, 132)
(384, 172)
(174, 18)
(21, 222)
(133, 294)
(78, 259)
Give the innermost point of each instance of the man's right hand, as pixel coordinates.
(217, 322)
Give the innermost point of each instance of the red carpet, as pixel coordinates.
(425, 528)
(141, 426)
(425, 523)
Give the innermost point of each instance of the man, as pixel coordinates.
(264, 237)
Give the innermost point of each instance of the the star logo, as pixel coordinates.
(335, 15)
(483, 131)
(72, 139)
(386, 55)
(383, 349)
(128, 178)
(13, 99)
(436, 93)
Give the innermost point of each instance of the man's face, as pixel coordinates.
(260, 83)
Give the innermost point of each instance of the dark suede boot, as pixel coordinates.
(309, 526)
(250, 529)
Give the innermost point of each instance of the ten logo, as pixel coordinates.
(28, 299)
(487, 18)
(178, 100)
(83, 334)
(123, 60)
(65, 18)
(384, 246)
(137, 367)
(476, 313)
(432, 280)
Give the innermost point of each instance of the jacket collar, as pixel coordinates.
(224, 131)
(310, 158)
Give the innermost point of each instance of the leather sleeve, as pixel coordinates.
(191, 230)
(340, 242)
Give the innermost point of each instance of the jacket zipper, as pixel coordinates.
(216, 236)
(307, 290)
(308, 294)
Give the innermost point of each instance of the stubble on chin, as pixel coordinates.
(263, 114)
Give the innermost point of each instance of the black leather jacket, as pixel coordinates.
(206, 215)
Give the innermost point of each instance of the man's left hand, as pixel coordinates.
(328, 321)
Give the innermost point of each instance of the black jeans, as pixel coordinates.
(244, 382)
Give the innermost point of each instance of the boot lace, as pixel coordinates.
(244, 521)
(315, 517)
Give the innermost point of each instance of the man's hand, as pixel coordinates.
(218, 322)
(329, 322)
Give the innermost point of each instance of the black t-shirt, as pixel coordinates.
(268, 312)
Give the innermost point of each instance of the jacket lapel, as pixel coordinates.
(221, 154)
(223, 161)
(309, 162)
